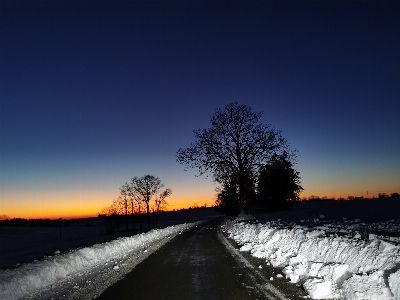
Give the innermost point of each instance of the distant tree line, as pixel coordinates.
(348, 198)
(250, 160)
(393, 195)
(21, 222)
(142, 197)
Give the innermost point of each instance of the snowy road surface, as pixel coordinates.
(198, 264)
(349, 260)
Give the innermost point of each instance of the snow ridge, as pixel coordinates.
(32, 277)
(329, 261)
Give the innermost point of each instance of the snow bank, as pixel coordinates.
(29, 278)
(330, 261)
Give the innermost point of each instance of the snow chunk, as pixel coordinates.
(367, 287)
(372, 237)
(246, 247)
(337, 273)
(385, 246)
(319, 289)
(394, 284)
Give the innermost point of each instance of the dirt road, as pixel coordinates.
(198, 264)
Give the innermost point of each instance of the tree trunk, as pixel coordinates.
(148, 216)
(140, 219)
(242, 212)
(241, 176)
(133, 216)
(157, 220)
(241, 194)
(126, 214)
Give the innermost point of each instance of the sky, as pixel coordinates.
(94, 93)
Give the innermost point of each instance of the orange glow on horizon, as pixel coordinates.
(69, 205)
(78, 208)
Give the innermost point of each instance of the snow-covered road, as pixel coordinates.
(195, 265)
(86, 271)
(330, 259)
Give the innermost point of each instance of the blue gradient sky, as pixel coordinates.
(95, 93)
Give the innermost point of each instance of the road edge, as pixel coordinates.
(269, 290)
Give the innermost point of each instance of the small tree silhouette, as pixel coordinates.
(160, 204)
(144, 188)
(279, 183)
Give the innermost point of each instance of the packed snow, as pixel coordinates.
(42, 277)
(331, 260)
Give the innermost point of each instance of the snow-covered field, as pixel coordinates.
(331, 259)
(20, 245)
(86, 272)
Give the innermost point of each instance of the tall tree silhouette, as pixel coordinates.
(234, 148)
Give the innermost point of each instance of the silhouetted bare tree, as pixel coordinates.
(4, 217)
(144, 189)
(112, 216)
(234, 148)
(160, 204)
(135, 201)
(132, 202)
(123, 200)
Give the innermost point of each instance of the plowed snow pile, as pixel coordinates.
(331, 260)
(33, 277)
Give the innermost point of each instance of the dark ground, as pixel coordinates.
(368, 210)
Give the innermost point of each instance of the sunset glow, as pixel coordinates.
(91, 99)
(49, 206)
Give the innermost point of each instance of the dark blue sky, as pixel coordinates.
(95, 93)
